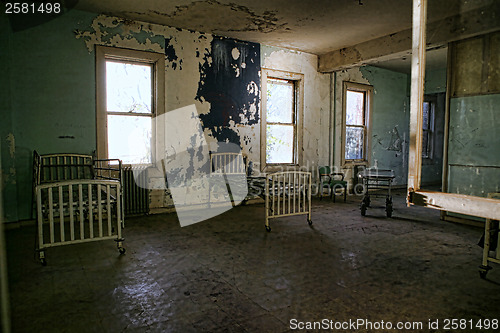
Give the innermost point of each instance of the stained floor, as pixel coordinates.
(228, 274)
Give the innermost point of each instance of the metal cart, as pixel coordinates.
(491, 243)
(376, 179)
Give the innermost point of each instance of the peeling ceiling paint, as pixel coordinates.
(316, 26)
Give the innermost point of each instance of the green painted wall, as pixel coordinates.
(435, 81)
(473, 153)
(390, 120)
(8, 170)
(51, 88)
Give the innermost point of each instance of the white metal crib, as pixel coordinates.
(78, 199)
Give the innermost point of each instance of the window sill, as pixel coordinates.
(352, 163)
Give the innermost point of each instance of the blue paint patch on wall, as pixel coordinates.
(230, 83)
(171, 56)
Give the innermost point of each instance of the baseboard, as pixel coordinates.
(18, 224)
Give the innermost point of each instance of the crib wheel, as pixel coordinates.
(310, 222)
(122, 250)
(43, 262)
(268, 228)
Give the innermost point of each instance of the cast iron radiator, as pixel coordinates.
(136, 198)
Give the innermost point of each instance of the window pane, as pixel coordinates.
(354, 143)
(280, 101)
(129, 139)
(426, 115)
(279, 144)
(128, 87)
(355, 106)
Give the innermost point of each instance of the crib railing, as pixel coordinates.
(288, 193)
(78, 211)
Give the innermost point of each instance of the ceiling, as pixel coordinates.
(314, 26)
(435, 59)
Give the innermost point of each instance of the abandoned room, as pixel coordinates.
(250, 166)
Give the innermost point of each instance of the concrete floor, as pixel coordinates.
(229, 275)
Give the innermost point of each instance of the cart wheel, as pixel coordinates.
(363, 209)
(368, 202)
(122, 250)
(310, 222)
(43, 262)
(268, 228)
(388, 210)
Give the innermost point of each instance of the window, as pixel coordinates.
(127, 101)
(356, 121)
(428, 128)
(280, 115)
(281, 118)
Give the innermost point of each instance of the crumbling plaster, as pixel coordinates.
(388, 127)
(316, 100)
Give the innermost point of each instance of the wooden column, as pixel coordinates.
(417, 94)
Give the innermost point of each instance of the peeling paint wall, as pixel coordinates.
(52, 91)
(7, 139)
(389, 119)
(230, 82)
(474, 156)
(473, 153)
(316, 100)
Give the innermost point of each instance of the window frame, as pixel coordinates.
(157, 61)
(432, 100)
(298, 80)
(368, 95)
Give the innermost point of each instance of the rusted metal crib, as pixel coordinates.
(288, 193)
(78, 199)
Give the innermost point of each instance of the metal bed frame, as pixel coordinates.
(491, 229)
(81, 196)
(226, 164)
(288, 193)
(285, 193)
(377, 179)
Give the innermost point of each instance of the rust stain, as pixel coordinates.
(265, 22)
